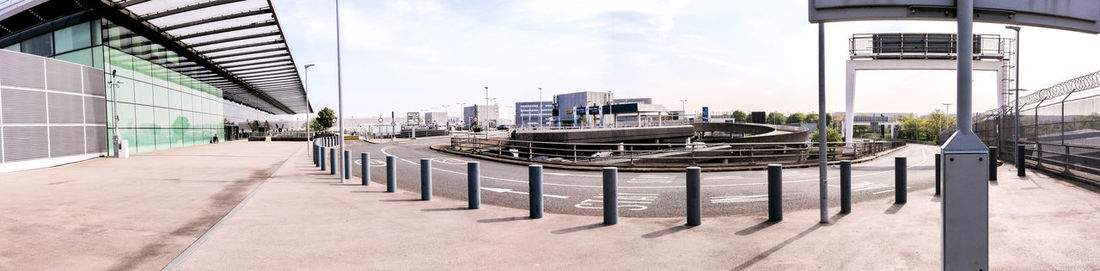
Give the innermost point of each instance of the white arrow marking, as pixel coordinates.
(506, 190)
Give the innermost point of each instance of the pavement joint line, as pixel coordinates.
(205, 235)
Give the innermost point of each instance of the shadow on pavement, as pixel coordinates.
(894, 208)
(675, 229)
(399, 200)
(766, 253)
(502, 219)
(365, 191)
(445, 209)
(756, 228)
(579, 228)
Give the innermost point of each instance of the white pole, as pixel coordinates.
(339, 94)
(307, 102)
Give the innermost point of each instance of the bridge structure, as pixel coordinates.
(922, 51)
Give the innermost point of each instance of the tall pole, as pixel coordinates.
(822, 153)
(1016, 138)
(482, 119)
(947, 109)
(114, 103)
(339, 92)
(307, 102)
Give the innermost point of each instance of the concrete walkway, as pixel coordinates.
(143, 212)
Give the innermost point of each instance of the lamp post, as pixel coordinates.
(308, 123)
(486, 108)
(683, 108)
(540, 107)
(1016, 139)
(339, 93)
(114, 103)
(947, 110)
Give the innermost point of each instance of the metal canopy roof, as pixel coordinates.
(239, 42)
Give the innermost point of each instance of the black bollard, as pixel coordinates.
(391, 173)
(939, 172)
(899, 180)
(694, 203)
(347, 164)
(364, 169)
(332, 162)
(534, 180)
(993, 163)
(1020, 162)
(473, 184)
(845, 187)
(610, 196)
(314, 151)
(425, 179)
(321, 154)
(775, 192)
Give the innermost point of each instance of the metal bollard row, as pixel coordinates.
(425, 179)
(391, 174)
(347, 164)
(775, 193)
(332, 161)
(534, 176)
(694, 203)
(845, 186)
(939, 172)
(364, 169)
(993, 152)
(473, 185)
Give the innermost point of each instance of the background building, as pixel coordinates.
(566, 104)
(528, 114)
(436, 118)
(486, 116)
(180, 80)
(634, 101)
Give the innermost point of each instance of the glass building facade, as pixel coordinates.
(157, 107)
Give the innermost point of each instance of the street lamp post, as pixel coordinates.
(540, 107)
(947, 110)
(339, 93)
(308, 138)
(683, 108)
(1016, 139)
(114, 103)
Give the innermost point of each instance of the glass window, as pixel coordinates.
(126, 115)
(143, 92)
(97, 57)
(97, 32)
(82, 57)
(163, 137)
(146, 140)
(163, 118)
(72, 38)
(160, 96)
(144, 116)
(41, 45)
(13, 47)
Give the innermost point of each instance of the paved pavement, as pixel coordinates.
(127, 214)
(300, 221)
(163, 209)
(660, 194)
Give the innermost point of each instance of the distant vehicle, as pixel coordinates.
(502, 127)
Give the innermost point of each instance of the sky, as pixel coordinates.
(431, 55)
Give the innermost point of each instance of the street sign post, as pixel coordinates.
(965, 207)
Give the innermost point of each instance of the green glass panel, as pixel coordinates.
(130, 136)
(163, 117)
(71, 38)
(147, 141)
(185, 101)
(13, 47)
(143, 93)
(142, 69)
(82, 57)
(145, 118)
(126, 115)
(97, 32)
(124, 89)
(174, 99)
(120, 63)
(111, 141)
(97, 57)
(160, 96)
(163, 137)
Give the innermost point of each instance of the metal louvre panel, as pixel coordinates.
(63, 76)
(96, 137)
(94, 82)
(65, 109)
(24, 143)
(95, 110)
(21, 70)
(66, 140)
(23, 106)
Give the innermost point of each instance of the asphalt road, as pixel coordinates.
(641, 194)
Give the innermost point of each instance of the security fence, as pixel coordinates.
(1059, 128)
(664, 155)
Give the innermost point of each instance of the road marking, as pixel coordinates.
(573, 175)
(651, 179)
(506, 190)
(630, 201)
(747, 198)
(725, 177)
(373, 162)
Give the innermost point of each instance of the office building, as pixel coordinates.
(529, 114)
(159, 74)
(485, 116)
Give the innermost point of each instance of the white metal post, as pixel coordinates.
(339, 93)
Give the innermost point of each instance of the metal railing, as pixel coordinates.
(1069, 160)
(664, 154)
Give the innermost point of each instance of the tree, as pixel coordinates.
(796, 118)
(325, 118)
(776, 118)
(811, 118)
(831, 135)
(315, 125)
(267, 126)
(740, 116)
(254, 126)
